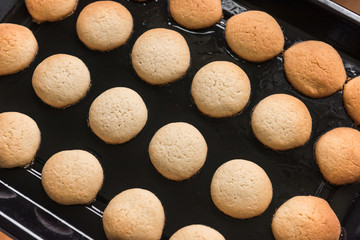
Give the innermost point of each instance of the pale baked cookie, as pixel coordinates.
(134, 214)
(18, 47)
(197, 232)
(117, 115)
(281, 122)
(196, 14)
(50, 10)
(160, 56)
(241, 189)
(104, 25)
(220, 89)
(72, 177)
(61, 80)
(254, 36)
(19, 139)
(314, 68)
(351, 97)
(178, 151)
(337, 153)
(304, 218)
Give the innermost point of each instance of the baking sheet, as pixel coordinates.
(125, 166)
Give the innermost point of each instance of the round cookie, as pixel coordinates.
(134, 214)
(281, 122)
(117, 115)
(61, 80)
(314, 68)
(351, 98)
(220, 89)
(254, 36)
(305, 217)
(241, 189)
(18, 48)
(72, 177)
(178, 151)
(50, 10)
(197, 232)
(160, 56)
(196, 14)
(337, 153)
(104, 25)
(19, 139)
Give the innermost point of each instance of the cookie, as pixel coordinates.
(241, 189)
(305, 217)
(104, 25)
(281, 122)
(197, 232)
(72, 177)
(160, 56)
(314, 68)
(351, 98)
(254, 36)
(220, 89)
(18, 48)
(196, 14)
(61, 80)
(50, 10)
(134, 214)
(337, 153)
(19, 139)
(117, 115)
(178, 151)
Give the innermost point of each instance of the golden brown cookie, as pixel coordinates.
(18, 48)
(254, 36)
(61, 80)
(117, 115)
(104, 25)
(50, 10)
(178, 151)
(197, 232)
(19, 139)
(337, 153)
(304, 218)
(196, 14)
(351, 98)
(220, 89)
(160, 56)
(241, 189)
(314, 68)
(281, 122)
(72, 177)
(134, 214)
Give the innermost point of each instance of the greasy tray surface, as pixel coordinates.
(125, 166)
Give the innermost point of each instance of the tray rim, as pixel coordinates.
(333, 6)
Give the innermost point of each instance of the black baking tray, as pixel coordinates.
(27, 213)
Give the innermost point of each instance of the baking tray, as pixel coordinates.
(27, 213)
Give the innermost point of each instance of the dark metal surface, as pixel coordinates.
(292, 172)
(338, 9)
(5, 7)
(28, 220)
